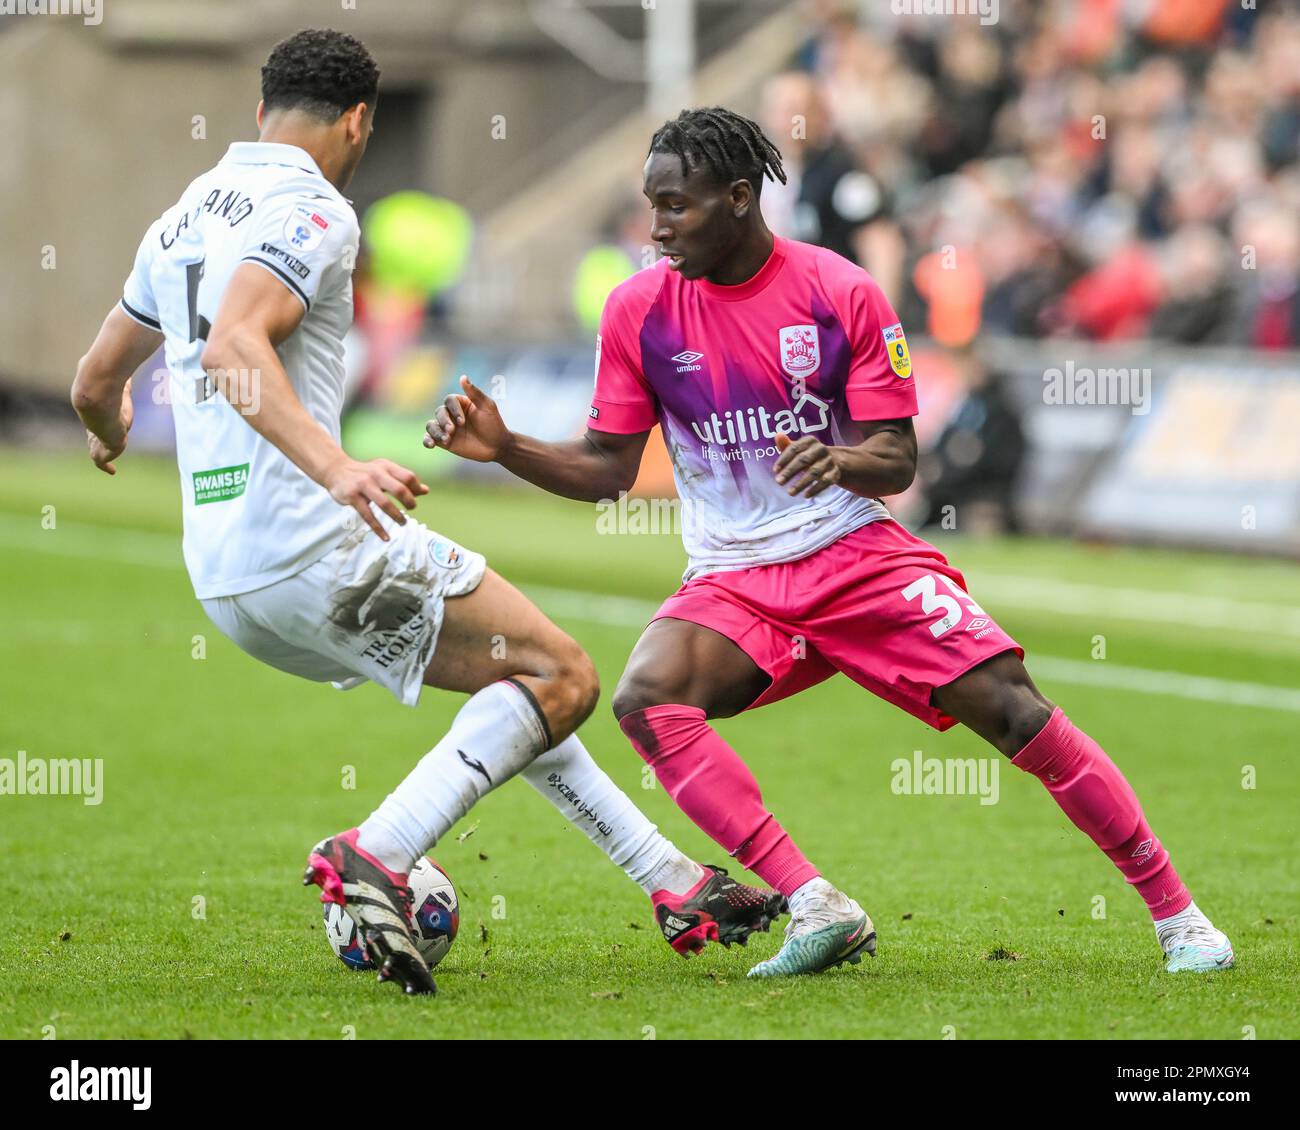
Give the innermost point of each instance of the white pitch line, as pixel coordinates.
(1143, 680)
(157, 550)
(103, 543)
(1140, 604)
(1196, 611)
(623, 612)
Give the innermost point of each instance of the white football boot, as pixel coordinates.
(826, 929)
(1192, 944)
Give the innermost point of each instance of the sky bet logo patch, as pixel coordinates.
(896, 346)
(220, 485)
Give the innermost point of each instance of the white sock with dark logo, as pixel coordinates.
(569, 778)
(497, 733)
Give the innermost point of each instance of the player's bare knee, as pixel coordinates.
(585, 683)
(573, 686)
(1024, 714)
(1000, 702)
(636, 692)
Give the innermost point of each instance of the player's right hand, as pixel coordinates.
(468, 425)
(363, 485)
(102, 453)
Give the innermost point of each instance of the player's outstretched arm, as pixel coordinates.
(883, 463)
(101, 392)
(258, 312)
(596, 467)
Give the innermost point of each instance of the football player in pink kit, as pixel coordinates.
(781, 379)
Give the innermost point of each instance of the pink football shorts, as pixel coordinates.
(880, 605)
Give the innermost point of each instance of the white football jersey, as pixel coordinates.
(251, 516)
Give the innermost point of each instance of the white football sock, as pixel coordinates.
(580, 789)
(677, 874)
(814, 890)
(497, 733)
(1169, 928)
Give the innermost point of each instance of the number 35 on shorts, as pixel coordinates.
(949, 609)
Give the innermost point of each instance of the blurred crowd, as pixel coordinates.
(1099, 169)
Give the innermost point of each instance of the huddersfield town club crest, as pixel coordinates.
(800, 350)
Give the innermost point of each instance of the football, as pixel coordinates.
(436, 917)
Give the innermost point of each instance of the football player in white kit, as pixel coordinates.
(304, 557)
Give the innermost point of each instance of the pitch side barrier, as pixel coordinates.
(1146, 443)
(1132, 441)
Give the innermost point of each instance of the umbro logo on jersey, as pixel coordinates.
(686, 361)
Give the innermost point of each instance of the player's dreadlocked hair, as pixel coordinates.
(732, 147)
(320, 72)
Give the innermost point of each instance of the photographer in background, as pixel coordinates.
(828, 198)
(974, 463)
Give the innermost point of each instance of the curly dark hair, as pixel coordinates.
(728, 145)
(321, 72)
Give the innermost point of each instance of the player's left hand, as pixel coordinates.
(807, 464)
(468, 425)
(102, 452)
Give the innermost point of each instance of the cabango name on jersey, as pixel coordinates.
(232, 206)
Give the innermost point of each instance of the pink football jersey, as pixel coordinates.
(808, 346)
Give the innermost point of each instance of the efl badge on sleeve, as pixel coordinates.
(896, 346)
(800, 351)
(305, 228)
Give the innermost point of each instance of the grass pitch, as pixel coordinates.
(173, 909)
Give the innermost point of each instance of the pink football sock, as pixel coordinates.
(715, 788)
(1094, 794)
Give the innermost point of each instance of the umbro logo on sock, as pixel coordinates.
(1144, 850)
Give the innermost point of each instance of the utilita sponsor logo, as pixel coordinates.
(758, 423)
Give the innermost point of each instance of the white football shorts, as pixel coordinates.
(367, 610)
